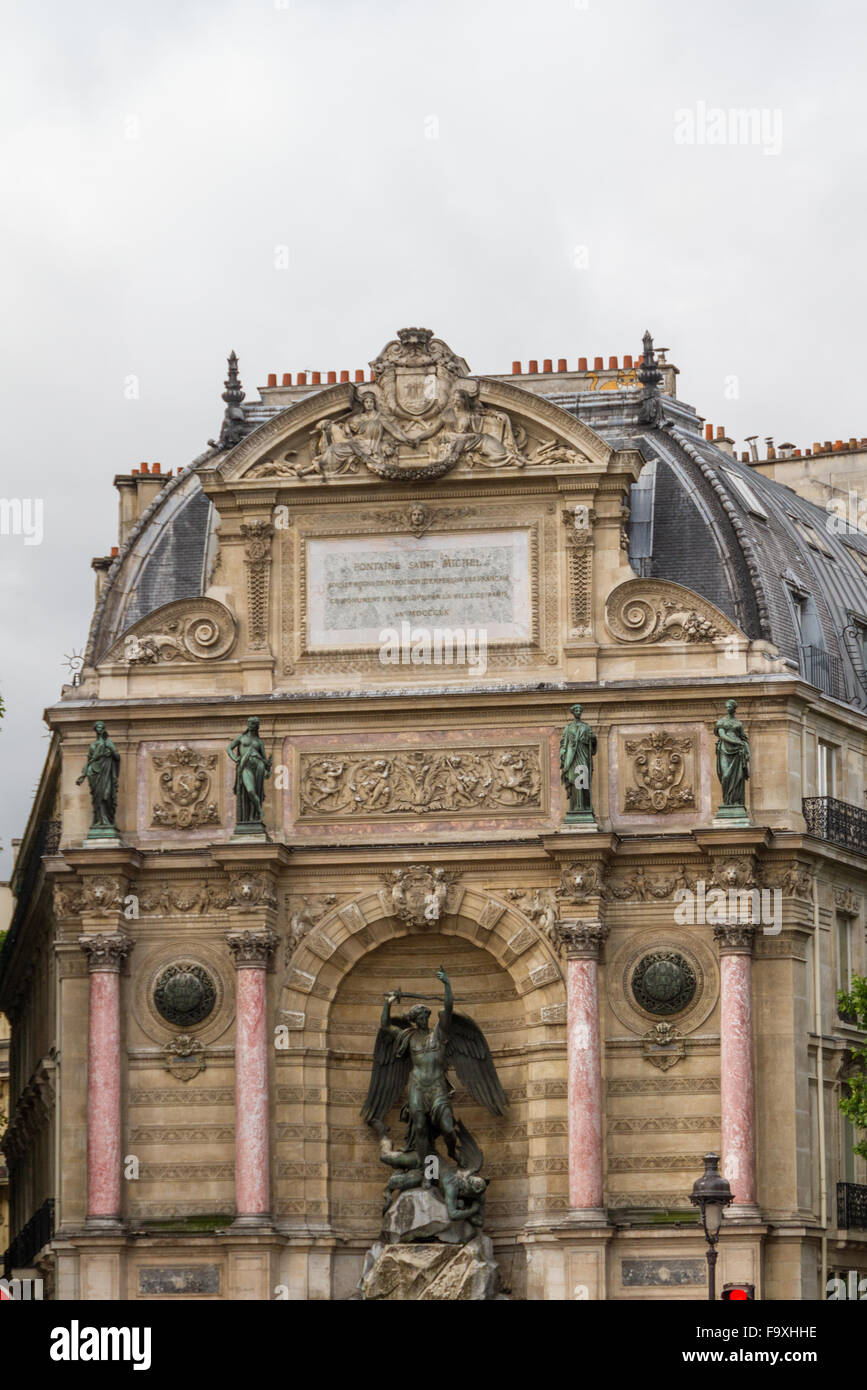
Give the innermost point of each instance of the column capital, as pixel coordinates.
(252, 950)
(578, 938)
(106, 950)
(734, 938)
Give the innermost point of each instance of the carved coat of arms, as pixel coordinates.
(418, 894)
(659, 764)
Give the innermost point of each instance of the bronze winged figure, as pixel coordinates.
(410, 1055)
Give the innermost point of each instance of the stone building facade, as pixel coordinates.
(193, 1010)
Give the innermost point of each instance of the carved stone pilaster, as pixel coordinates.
(257, 551)
(734, 938)
(252, 949)
(106, 950)
(578, 521)
(578, 939)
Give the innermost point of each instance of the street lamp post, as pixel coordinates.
(710, 1193)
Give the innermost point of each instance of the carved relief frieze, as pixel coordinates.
(846, 902)
(794, 880)
(240, 891)
(411, 783)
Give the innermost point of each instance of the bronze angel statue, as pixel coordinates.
(407, 1051)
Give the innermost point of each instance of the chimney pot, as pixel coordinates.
(533, 366)
(287, 378)
(708, 431)
(516, 369)
(612, 364)
(809, 453)
(817, 448)
(827, 446)
(720, 432)
(344, 376)
(145, 468)
(797, 454)
(316, 379)
(561, 364)
(156, 468)
(582, 364)
(332, 378)
(597, 364)
(547, 365)
(627, 361)
(272, 378)
(359, 374)
(838, 444)
(114, 551)
(302, 378)
(853, 443)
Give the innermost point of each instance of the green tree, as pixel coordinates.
(853, 1004)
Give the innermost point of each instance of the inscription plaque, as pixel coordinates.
(475, 579)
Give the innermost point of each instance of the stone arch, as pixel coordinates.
(508, 978)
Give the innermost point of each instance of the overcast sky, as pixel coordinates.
(529, 178)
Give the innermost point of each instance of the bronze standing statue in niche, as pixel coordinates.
(732, 763)
(101, 771)
(252, 766)
(409, 1054)
(577, 751)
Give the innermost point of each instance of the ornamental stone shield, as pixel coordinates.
(184, 994)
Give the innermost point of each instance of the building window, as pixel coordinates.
(746, 493)
(814, 539)
(826, 769)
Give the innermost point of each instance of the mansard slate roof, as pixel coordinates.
(700, 517)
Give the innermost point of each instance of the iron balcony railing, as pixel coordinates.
(836, 821)
(30, 1239)
(852, 1206)
(824, 670)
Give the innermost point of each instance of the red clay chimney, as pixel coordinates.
(332, 378)
(516, 369)
(287, 378)
(547, 365)
(582, 364)
(272, 378)
(532, 366)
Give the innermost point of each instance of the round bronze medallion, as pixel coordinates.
(184, 994)
(663, 982)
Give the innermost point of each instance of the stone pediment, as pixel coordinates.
(188, 630)
(656, 610)
(421, 416)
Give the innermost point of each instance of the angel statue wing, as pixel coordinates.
(468, 1052)
(389, 1074)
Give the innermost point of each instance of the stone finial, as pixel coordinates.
(234, 426)
(252, 949)
(650, 377)
(106, 950)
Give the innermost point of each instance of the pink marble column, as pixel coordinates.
(736, 1067)
(253, 952)
(106, 954)
(581, 942)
